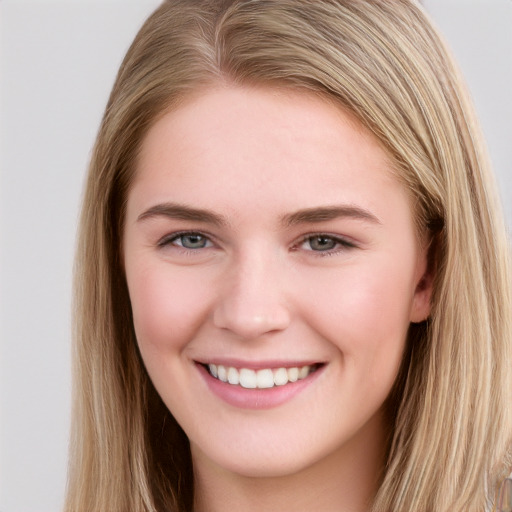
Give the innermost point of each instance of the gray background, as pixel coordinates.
(58, 61)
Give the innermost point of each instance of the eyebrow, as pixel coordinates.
(306, 216)
(326, 213)
(182, 212)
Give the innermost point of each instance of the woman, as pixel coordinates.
(293, 277)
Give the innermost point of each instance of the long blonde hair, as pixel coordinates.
(452, 403)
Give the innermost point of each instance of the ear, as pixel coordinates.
(421, 303)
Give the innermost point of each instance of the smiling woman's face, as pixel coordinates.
(267, 242)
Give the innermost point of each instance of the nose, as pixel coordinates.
(252, 301)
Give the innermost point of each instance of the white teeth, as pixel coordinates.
(304, 372)
(222, 374)
(233, 376)
(281, 377)
(213, 369)
(293, 374)
(264, 379)
(248, 378)
(261, 379)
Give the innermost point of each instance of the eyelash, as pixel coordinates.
(340, 244)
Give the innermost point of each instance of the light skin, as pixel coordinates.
(265, 228)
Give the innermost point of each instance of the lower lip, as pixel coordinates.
(244, 398)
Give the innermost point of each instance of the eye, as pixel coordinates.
(189, 240)
(324, 243)
(321, 243)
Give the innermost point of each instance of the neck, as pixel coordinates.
(344, 481)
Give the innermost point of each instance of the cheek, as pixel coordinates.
(364, 312)
(167, 308)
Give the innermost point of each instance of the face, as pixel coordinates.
(273, 270)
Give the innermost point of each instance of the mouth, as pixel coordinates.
(263, 378)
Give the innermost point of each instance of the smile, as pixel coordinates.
(260, 379)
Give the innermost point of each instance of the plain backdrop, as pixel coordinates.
(58, 62)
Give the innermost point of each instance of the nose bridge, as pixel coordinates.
(252, 302)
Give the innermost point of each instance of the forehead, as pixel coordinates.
(236, 146)
(243, 113)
